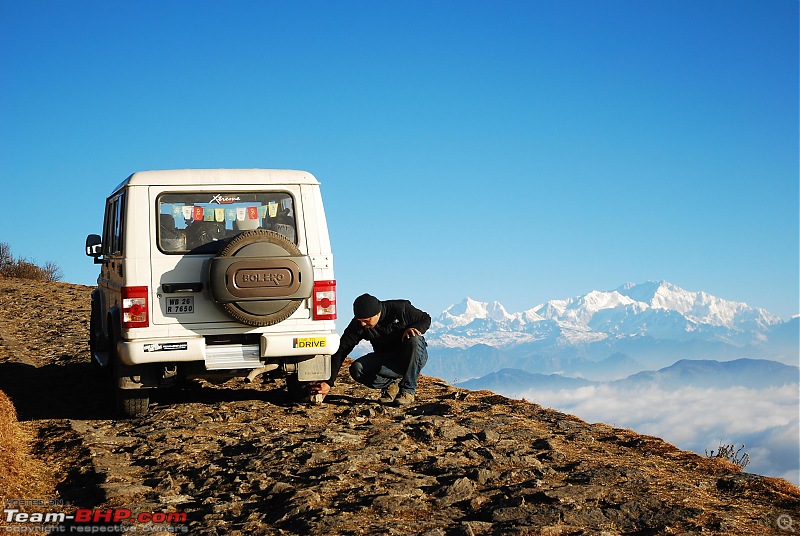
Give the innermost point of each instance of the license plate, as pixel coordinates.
(180, 306)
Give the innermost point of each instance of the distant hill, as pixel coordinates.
(514, 380)
(751, 373)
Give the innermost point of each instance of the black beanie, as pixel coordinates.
(366, 306)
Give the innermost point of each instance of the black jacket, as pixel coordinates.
(387, 336)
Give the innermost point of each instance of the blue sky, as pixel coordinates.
(510, 151)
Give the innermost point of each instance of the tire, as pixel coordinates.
(93, 346)
(129, 403)
(97, 342)
(132, 402)
(289, 278)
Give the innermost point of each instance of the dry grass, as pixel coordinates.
(784, 486)
(25, 269)
(12, 452)
(21, 475)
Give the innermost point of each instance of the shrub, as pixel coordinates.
(730, 453)
(5, 255)
(25, 269)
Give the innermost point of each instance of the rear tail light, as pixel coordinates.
(134, 307)
(324, 300)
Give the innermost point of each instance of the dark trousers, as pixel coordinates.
(379, 369)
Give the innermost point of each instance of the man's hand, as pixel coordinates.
(411, 332)
(319, 387)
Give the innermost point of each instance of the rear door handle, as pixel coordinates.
(169, 288)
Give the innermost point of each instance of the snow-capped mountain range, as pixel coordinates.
(606, 334)
(659, 310)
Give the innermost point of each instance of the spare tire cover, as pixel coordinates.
(260, 278)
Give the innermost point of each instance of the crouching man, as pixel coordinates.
(394, 328)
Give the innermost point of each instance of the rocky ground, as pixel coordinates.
(242, 459)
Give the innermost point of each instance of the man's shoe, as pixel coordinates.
(405, 399)
(389, 394)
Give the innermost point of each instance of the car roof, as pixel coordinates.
(184, 177)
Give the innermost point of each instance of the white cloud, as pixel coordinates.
(767, 421)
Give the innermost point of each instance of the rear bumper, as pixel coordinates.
(272, 348)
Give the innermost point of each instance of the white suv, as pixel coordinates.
(212, 273)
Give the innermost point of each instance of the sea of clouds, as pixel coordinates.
(766, 421)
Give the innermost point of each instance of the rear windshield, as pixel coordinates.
(192, 222)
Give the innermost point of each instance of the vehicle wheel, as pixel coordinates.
(93, 336)
(97, 343)
(133, 402)
(129, 402)
(260, 278)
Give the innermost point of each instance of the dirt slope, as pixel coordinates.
(241, 459)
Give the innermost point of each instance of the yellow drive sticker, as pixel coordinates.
(310, 342)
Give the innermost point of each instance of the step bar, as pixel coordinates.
(233, 356)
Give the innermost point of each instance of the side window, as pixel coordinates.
(201, 222)
(108, 219)
(119, 224)
(113, 225)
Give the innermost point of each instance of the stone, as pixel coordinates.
(460, 490)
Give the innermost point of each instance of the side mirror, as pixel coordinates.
(94, 245)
